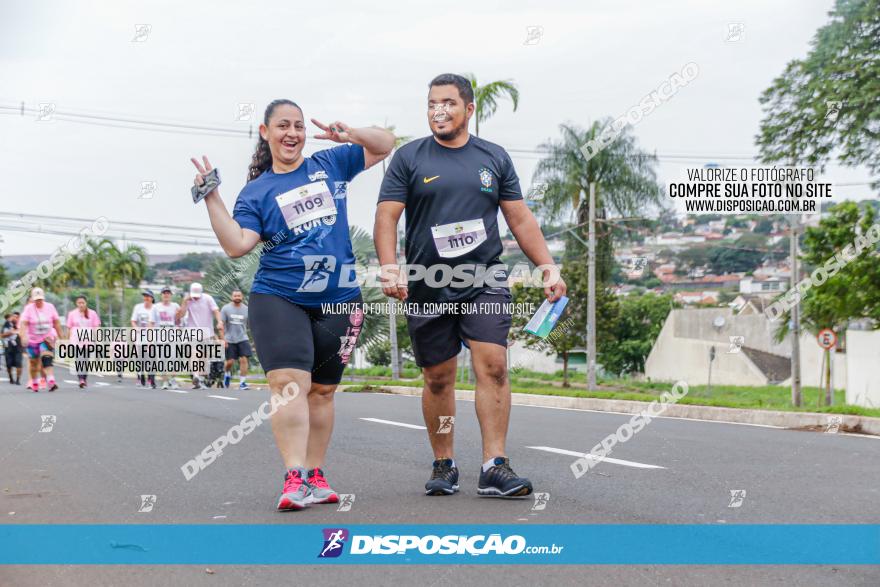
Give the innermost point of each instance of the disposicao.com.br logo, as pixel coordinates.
(454, 544)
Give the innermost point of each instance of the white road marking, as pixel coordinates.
(633, 413)
(572, 453)
(224, 397)
(71, 381)
(177, 390)
(101, 384)
(401, 424)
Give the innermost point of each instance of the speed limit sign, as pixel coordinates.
(827, 339)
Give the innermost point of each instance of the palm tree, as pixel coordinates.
(486, 98)
(625, 177)
(125, 266)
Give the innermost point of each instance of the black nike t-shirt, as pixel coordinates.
(452, 198)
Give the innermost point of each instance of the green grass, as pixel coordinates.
(725, 396)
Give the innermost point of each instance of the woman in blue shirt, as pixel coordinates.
(297, 207)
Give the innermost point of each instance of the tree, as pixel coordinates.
(626, 185)
(694, 257)
(190, 262)
(764, 226)
(639, 319)
(486, 98)
(124, 267)
(379, 353)
(854, 291)
(827, 102)
(746, 254)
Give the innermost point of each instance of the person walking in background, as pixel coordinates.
(39, 330)
(81, 317)
(201, 311)
(12, 344)
(166, 317)
(143, 315)
(235, 317)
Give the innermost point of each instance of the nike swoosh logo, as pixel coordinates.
(429, 179)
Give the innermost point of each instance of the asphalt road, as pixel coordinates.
(113, 443)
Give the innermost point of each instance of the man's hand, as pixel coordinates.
(554, 285)
(393, 282)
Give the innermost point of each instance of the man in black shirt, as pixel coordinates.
(9, 334)
(452, 185)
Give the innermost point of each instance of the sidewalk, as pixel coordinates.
(794, 420)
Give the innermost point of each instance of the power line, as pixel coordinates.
(122, 236)
(112, 222)
(105, 120)
(96, 117)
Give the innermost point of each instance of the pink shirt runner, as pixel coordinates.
(75, 319)
(39, 321)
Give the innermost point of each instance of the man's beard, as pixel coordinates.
(452, 134)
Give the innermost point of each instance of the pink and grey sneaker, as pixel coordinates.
(34, 386)
(321, 490)
(296, 494)
(52, 385)
(42, 383)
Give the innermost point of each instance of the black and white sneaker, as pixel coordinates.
(501, 481)
(444, 478)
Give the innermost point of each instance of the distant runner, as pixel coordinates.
(143, 315)
(12, 344)
(39, 331)
(200, 311)
(166, 317)
(235, 317)
(81, 317)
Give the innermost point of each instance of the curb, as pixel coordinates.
(792, 420)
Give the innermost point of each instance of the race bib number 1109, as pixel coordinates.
(306, 203)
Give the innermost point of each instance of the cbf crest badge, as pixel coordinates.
(486, 180)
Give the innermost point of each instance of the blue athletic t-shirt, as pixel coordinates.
(302, 219)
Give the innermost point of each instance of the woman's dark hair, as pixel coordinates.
(262, 159)
(83, 298)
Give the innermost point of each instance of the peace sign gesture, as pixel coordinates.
(202, 170)
(338, 132)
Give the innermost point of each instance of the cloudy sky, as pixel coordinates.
(362, 63)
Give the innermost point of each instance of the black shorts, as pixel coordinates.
(234, 350)
(438, 338)
(13, 358)
(290, 336)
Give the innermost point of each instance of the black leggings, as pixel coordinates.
(290, 336)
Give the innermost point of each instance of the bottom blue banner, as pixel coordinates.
(788, 544)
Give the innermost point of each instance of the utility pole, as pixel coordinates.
(591, 291)
(392, 330)
(711, 360)
(795, 317)
(392, 307)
